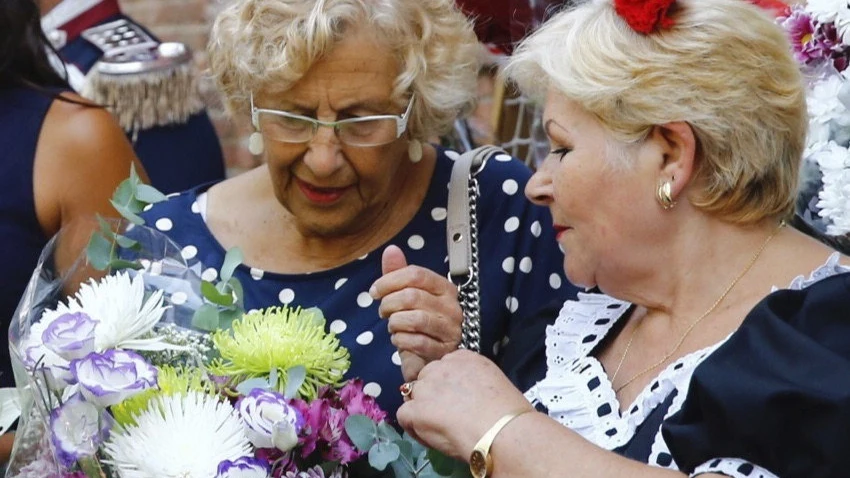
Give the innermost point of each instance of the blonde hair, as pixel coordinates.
(270, 44)
(724, 68)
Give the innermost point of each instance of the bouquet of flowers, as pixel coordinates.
(820, 37)
(128, 365)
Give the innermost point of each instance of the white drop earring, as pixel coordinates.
(255, 143)
(414, 150)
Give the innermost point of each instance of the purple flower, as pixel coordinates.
(801, 29)
(111, 377)
(70, 336)
(315, 415)
(357, 402)
(77, 428)
(316, 472)
(269, 420)
(245, 467)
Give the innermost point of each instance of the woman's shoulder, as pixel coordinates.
(786, 368)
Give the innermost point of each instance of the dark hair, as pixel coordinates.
(23, 48)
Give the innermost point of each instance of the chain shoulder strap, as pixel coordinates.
(462, 240)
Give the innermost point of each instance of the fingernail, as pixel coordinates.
(373, 292)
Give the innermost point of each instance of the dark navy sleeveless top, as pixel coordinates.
(22, 113)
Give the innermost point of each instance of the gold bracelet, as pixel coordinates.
(480, 461)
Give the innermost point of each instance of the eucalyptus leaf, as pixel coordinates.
(274, 375)
(206, 318)
(442, 464)
(126, 242)
(238, 292)
(105, 226)
(125, 192)
(245, 387)
(232, 259)
(227, 316)
(99, 251)
(295, 377)
(127, 213)
(387, 432)
(149, 194)
(120, 264)
(405, 449)
(382, 454)
(401, 470)
(362, 431)
(212, 294)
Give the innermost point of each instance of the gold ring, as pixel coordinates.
(406, 390)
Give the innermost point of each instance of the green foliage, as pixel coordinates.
(225, 297)
(129, 199)
(405, 456)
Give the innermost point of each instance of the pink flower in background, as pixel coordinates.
(357, 402)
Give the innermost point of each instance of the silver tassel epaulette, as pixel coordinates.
(143, 82)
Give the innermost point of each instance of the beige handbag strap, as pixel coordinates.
(462, 239)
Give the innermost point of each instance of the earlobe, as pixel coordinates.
(678, 149)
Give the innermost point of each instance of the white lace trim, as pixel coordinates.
(734, 467)
(578, 393)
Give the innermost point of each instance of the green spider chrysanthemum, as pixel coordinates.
(279, 338)
(170, 381)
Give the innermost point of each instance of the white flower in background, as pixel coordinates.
(827, 113)
(70, 336)
(111, 377)
(270, 422)
(77, 428)
(834, 204)
(245, 467)
(184, 436)
(117, 303)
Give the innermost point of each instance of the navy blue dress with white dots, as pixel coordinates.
(521, 268)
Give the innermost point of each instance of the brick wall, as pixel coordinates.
(189, 22)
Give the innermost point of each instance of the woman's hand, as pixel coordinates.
(456, 400)
(422, 311)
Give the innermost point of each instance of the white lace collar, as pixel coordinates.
(578, 393)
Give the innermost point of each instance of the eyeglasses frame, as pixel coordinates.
(401, 121)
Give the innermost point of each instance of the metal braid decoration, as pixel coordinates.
(468, 284)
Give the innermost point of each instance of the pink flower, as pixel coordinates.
(358, 402)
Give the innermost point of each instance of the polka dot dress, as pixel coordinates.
(521, 268)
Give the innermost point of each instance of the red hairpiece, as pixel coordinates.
(645, 16)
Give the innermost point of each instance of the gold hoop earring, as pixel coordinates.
(664, 194)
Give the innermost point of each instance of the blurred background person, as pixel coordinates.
(344, 95)
(148, 85)
(62, 158)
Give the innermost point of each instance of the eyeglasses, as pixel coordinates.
(362, 131)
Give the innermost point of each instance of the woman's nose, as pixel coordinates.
(539, 187)
(324, 154)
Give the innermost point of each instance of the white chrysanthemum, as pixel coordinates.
(834, 203)
(118, 304)
(178, 436)
(827, 113)
(834, 11)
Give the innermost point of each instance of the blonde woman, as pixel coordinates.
(676, 130)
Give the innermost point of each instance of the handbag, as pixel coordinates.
(462, 240)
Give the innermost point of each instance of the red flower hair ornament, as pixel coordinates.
(645, 16)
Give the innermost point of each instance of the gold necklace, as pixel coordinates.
(693, 324)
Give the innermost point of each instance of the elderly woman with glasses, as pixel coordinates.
(343, 95)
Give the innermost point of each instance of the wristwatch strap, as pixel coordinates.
(481, 451)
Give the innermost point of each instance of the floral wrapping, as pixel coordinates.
(121, 376)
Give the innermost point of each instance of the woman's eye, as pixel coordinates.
(560, 152)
